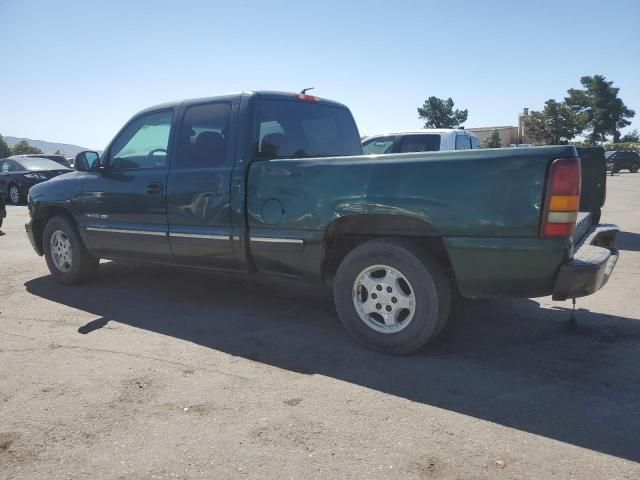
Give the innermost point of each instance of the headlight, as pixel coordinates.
(35, 176)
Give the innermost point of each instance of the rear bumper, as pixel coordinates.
(592, 263)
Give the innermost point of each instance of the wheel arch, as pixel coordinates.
(346, 233)
(46, 213)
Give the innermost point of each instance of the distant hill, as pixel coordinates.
(49, 147)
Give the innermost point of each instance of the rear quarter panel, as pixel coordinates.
(479, 194)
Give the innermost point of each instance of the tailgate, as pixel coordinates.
(594, 181)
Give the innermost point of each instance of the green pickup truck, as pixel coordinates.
(276, 183)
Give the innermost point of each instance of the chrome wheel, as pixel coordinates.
(61, 252)
(384, 299)
(14, 194)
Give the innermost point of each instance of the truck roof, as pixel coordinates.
(231, 96)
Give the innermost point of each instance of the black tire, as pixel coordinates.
(82, 265)
(634, 168)
(20, 195)
(432, 294)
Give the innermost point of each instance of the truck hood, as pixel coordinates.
(59, 188)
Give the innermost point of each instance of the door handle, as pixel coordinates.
(154, 189)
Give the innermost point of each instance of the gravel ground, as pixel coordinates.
(150, 372)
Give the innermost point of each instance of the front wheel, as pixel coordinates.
(391, 296)
(67, 258)
(634, 168)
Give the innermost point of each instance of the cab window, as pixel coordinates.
(463, 142)
(143, 143)
(420, 143)
(378, 146)
(296, 129)
(203, 137)
(475, 143)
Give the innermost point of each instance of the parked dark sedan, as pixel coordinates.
(618, 160)
(18, 176)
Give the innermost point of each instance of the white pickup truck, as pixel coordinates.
(424, 140)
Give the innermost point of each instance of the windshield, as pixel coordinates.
(377, 146)
(295, 129)
(608, 154)
(35, 164)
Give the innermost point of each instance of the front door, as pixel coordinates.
(124, 204)
(198, 188)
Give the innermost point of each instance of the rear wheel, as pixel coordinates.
(15, 195)
(391, 296)
(67, 258)
(634, 168)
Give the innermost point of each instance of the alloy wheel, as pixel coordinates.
(384, 299)
(14, 194)
(61, 252)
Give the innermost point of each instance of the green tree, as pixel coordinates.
(605, 113)
(5, 149)
(556, 124)
(632, 136)
(23, 148)
(439, 113)
(492, 141)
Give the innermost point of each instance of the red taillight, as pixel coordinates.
(564, 177)
(562, 200)
(559, 229)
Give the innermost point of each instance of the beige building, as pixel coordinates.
(508, 134)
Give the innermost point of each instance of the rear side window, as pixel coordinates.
(475, 143)
(7, 167)
(204, 136)
(296, 129)
(377, 146)
(463, 142)
(420, 143)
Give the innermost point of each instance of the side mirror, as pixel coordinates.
(87, 161)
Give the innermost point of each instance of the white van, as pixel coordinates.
(424, 140)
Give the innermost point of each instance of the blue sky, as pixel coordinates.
(75, 71)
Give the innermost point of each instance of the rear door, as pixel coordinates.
(198, 188)
(124, 205)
